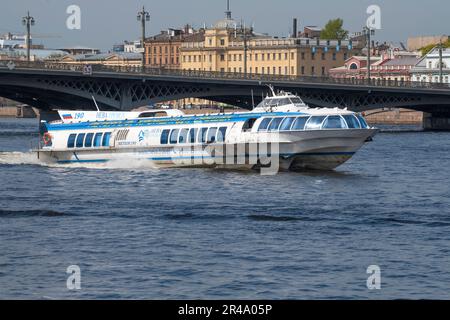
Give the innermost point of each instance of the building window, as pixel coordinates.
(323, 71)
(334, 56)
(286, 57)
(256, 57)
(303, 56)
(222, 42)
(292, 56)
(222, 57)
(323, 55)
(313, 70)
(345, 56)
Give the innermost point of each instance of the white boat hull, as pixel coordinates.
(295, 151)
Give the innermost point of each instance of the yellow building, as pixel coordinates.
(106, 59)
(228, 47)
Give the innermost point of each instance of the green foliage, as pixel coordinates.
(427, 49)
(334, 30)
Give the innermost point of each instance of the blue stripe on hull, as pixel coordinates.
(208, 157)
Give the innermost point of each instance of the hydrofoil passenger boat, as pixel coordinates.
(282, 132)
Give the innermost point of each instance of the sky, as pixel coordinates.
(107, 22)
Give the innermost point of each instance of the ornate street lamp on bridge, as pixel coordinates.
(368, 33)
(143, 16)
(28, 21)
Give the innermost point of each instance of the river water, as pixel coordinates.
(139, 232)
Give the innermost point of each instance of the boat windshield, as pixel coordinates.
(277, 102)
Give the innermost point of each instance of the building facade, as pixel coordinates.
(122, 59)
(427, 69)
(391, 66)
(228, 47)
(417, 43)
(163, 50)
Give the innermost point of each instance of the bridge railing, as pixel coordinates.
(263, 78)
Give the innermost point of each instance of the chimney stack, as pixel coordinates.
(295, 29)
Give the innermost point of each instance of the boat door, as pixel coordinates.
(234, 133)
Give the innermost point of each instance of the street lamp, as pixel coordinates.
(441, 78)
(28, 21)
(143, 16)
(368, 33)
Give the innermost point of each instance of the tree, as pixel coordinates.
(427, 49)
(334, 30)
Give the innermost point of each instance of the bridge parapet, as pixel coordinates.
(197, 74)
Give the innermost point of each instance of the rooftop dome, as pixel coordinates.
(228, 22)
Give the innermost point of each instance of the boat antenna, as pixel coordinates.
(95, 102)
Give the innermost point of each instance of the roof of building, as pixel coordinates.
(407, 61)
(313, 28)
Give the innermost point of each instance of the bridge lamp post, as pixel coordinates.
(441, 77)
(28, 21)
(368, 33)
(143, 16)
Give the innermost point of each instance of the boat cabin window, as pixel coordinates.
(80, 140)
(88, 140)
(212, 135)
(286, 124)
(275, 124)
(297, 100)
(71, 141)
(363, 122)
(299, 124)
(98, 140)
(352, 122)
(165, 136)
(284, 102)
(314, 123)
(248, 125)
(153, 114)
(334, 122)
(264, 124)
(174, 136)
(192, 134)
(106, 138)
(183, 138)
(202, 135)
(221, 134)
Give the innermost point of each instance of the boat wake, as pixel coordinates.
(30, 158)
